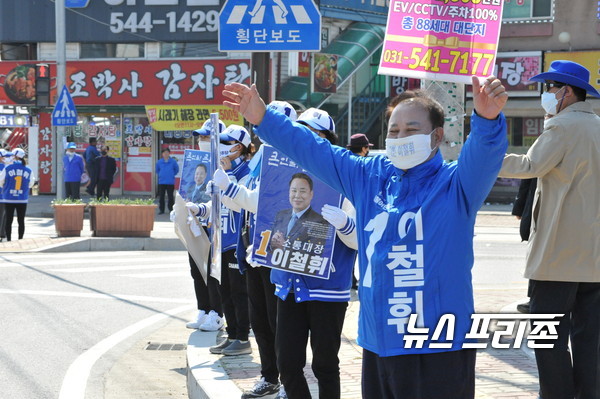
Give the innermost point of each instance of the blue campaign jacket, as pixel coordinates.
(16, 183)
(73, 168)
(230, 220)
(166, 171)
(415, 228)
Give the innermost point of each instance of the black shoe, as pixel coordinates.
(237, 347)
(161, 212)
(218, 349)
(524, 307)
(261, 389)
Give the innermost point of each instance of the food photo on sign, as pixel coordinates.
(325, 73)
(290, 233)
(19, 84)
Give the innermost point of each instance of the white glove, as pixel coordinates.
(335, 216)
(221, 179)
(172, 216)
(193, 208)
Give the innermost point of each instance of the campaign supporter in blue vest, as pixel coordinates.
(16, 179)
(90, 155)
(166, 169)
(415, 217)
(306, 306)
(73, 169)
(235, 150)
(208, 299)
(4, 160)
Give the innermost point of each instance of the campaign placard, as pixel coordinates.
(290, 233)
(195, 174)
(445, 40)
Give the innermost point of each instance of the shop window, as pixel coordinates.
(18, 51)
(111, 50)
(176, 50)
(527, 10)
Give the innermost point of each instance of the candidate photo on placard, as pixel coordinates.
(195, 175)
(290, 232)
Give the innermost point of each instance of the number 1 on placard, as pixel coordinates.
(265, 237)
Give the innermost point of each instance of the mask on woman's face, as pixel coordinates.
(103, 152)
(204, 146)
(408, 152)
(225, 149)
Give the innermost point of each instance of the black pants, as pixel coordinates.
(263, 318)
(72, 189)
(324, 321)
(207, 295)
(234, 297)
(103, 188)
(91, 170)
(162, 189)
(428, 376)
(2, 221)
(559, 376)
(10, 214)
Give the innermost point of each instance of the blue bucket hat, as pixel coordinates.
(207, 128)
(570, 73)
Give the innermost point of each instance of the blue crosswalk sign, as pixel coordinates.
(269, 25)
(64, 112)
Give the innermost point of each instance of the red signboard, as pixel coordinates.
(130, 82)
(45, 154)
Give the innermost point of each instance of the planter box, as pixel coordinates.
(68, 219)
(113, 220)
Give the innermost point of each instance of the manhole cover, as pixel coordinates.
(165, 347)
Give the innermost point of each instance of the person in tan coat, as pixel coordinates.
(563, 260)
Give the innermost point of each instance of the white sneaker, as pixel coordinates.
(213, 322)
(201, 318)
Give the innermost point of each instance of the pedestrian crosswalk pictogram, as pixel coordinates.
(64, 112)
(269, 25)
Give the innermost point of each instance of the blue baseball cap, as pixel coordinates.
(569, 73)
(71, 145)
(207, 128)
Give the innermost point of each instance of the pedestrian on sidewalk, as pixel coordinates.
(208, 299)
(166, 169)
(410, 262)
(16, 179)
(4, 159)
(73, 169)
(235, 142)
(105, 168)
(90, 155)
(563, 261)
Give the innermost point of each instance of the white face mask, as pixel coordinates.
(408, 152)
(204, 146)
(550, 102)
(225, 149)
(70, 154)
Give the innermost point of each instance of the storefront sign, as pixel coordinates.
(532, 128)
(188, 117)
(589, 59)
(114, 21)
(514, 69)
(45, 154)
(447, 41)
(324, 73)
(304, 64)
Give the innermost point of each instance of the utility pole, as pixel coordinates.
(61, 73)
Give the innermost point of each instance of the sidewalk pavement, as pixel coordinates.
(145, 373)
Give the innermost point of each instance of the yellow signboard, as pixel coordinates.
(589, 59)
(188, 117)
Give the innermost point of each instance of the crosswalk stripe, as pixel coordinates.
(259, 16)
(277, 13)
(140, 298)
(301, 15)
(237, 15)
(156, 275)
(118, 268)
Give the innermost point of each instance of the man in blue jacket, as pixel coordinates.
(73, 169)
(415, 217)
(166, 170)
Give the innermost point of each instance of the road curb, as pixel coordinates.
(206, 378)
